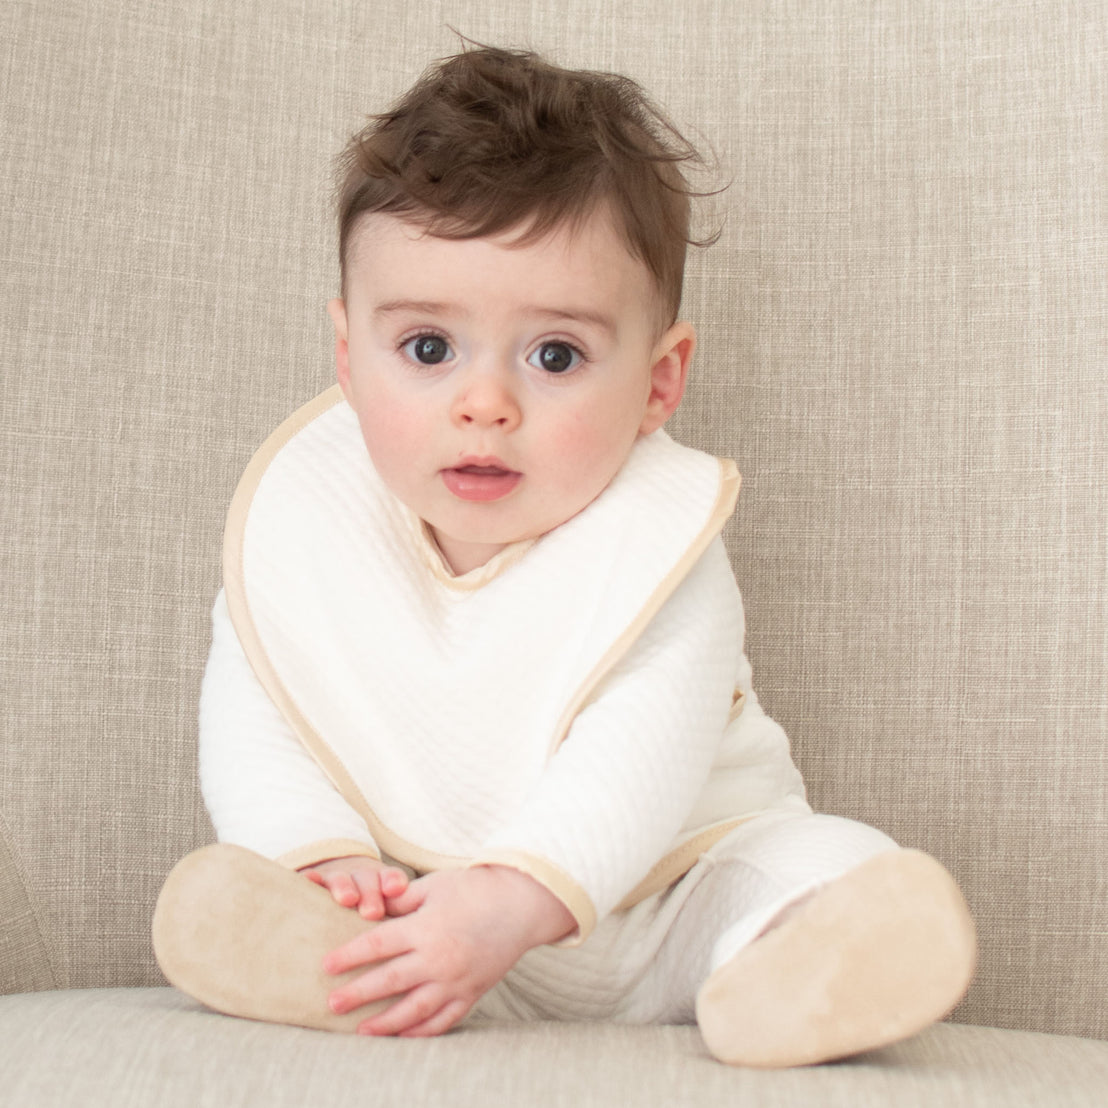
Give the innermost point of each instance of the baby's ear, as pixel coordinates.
(669, 373)
(336, 309)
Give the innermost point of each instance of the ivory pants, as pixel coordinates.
(645, 965)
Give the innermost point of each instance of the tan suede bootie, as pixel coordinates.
(871, 958)
(246, 936)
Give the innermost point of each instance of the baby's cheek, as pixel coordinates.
(393, 437)
(594, 449)
(586, 470)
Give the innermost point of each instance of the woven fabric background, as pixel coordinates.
(903, 331)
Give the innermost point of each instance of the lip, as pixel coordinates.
(480, 479)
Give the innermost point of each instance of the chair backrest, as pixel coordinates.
(903, 337)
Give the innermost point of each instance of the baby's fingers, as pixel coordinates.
(424, 1011)
(385, 941)
(340, 885)
(441, 1022)
(408, 899)
(370, 902)
(394, 882)
(390, 978)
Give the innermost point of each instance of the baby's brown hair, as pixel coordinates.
(491, 140)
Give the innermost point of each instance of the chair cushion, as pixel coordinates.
(137, 1047)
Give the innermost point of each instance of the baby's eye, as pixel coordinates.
(555, 357)
(428, 349)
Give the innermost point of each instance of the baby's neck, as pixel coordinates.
(462, 557)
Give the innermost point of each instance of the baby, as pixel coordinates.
(477, 668)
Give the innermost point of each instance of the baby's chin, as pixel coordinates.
(473, 529)
(467, 549)
(462, 556)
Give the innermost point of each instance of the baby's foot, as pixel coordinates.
(871, 958)
(246, 936)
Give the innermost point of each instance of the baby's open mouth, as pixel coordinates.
(480, 482)
(484, 471)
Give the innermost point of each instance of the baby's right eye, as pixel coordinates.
(428, 349)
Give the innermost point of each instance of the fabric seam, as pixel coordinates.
(7, 846)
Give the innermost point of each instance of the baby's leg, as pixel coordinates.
(876, 955)
(246, 936)
(815, 937)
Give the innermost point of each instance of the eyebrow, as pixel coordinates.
(580, 315)
(428, 307)
(439, 307)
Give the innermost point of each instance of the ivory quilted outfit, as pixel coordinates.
(580, 708)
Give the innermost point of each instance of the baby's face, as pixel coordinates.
(499, 388)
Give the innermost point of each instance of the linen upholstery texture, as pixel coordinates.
(118, 1039)
(902, 327)
(24, 955)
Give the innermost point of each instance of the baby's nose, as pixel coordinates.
(486, 398)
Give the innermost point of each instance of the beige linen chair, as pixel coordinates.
(904, 333)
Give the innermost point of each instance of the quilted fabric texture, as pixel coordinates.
(447, 700)
(902, 327)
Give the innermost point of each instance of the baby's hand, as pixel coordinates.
(455, 935)
(359, 882)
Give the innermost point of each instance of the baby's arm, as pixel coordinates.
(263, 790)
(619, 788)
(458, 932)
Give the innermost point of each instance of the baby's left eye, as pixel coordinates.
(555, 357)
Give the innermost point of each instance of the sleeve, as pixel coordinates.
(617, 791)
(263, 790)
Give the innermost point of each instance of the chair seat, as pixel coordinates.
(138, 1047)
